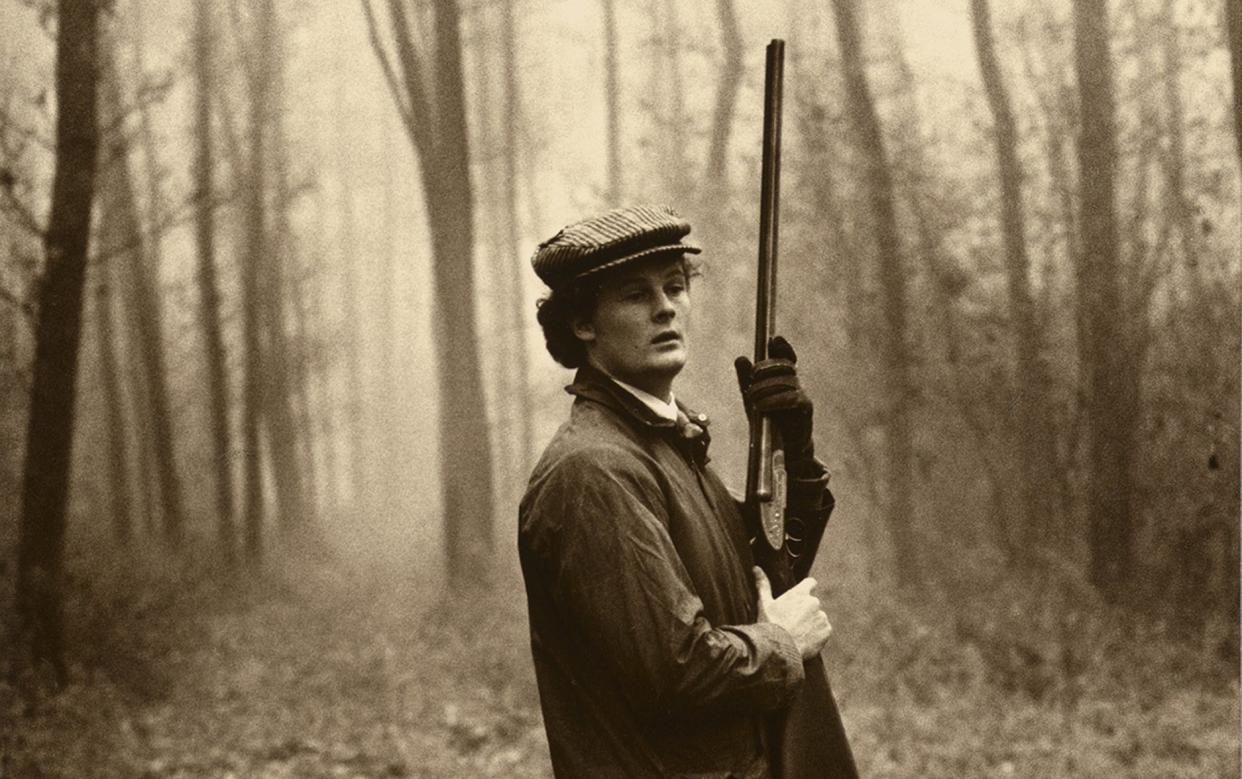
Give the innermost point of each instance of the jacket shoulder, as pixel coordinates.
(588, 464)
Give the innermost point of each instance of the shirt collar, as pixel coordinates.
(664, 410)
(593, 384)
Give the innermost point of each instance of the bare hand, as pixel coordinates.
(798, 611)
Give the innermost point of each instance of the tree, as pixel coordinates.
(517, 301)
(355, 418)
(121, 503)
(282, 362)
(612, 94)
(208, 289)
(254, 391)
(1233, 24)
(143, 259)
(1111, 401)
(899, 384)
(716, 177)
(58, 329)
(1034, 442)
(435, 121)
(497, 124)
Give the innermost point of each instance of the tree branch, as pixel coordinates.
(24, 307)
(420, 104)
(390, 75)
(25, 217)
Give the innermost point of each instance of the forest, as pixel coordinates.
(271, 381)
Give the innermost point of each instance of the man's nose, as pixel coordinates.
(663, 309)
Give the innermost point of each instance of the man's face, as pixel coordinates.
(638, 332)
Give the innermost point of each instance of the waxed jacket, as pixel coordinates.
(641, 598)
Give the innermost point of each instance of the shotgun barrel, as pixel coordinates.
(765, 473)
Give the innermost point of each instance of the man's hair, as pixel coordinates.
(558, 310)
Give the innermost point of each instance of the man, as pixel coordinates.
(658, 647)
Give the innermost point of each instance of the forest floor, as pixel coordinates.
(315, 671)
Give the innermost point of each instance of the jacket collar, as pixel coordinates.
(592, 384)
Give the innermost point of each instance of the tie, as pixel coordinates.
(693, 436)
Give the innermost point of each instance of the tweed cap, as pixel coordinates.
(611, 239)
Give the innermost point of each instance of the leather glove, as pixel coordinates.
(772, 387)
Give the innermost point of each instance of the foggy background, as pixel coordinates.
(1034, 574)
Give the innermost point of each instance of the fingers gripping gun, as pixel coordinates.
(807, 739)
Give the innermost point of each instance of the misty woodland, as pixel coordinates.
(272, 382)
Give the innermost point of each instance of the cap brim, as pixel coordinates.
(674, 248)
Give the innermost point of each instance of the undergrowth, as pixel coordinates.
(318, 670)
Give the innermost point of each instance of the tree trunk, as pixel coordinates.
(325, 398)
(139, 409)
(114, 404)
(1175, 164)
(518, 306)
(355, 419)
(58, 329)
(144, 262)
(612, 95)
(439, 136)
(1233, 24)
(383, 395)
(716, 182)
(254, 392)
(208, 289)
(283, 363)
(487, 125)
(1034, 444)
(465, 451)
(898, 390)
(1110, 404)
(671, 84)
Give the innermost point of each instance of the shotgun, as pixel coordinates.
(807, 739)
(765, 472)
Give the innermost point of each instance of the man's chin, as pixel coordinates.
(670, 362)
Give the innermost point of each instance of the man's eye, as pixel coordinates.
(675, 289)
(633, 294)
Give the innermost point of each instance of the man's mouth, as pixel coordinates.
(666, 337)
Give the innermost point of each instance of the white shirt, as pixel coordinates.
(664, 410)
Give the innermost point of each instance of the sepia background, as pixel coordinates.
(271, 380)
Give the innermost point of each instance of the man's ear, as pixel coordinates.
(583, 330)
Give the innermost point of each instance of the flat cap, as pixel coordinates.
(608, 240)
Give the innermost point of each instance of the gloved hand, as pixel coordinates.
(772, 387)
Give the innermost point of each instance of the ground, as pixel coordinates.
(317, 670)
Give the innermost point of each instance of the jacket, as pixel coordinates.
(642, 605)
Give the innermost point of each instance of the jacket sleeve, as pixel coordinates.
(621, 584)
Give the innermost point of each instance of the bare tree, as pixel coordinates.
(435, 119)
(143, 261)
(58, 329)
(114, 405)
(518, 307)
(1034, 442)
(612, 95)
(255, 391)
(716, 181)
(899, 385)
(355, 417)
(1233, 24)
(1110, 400)
(208, 289)
(283, 363)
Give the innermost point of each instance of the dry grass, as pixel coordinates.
(313, 671)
